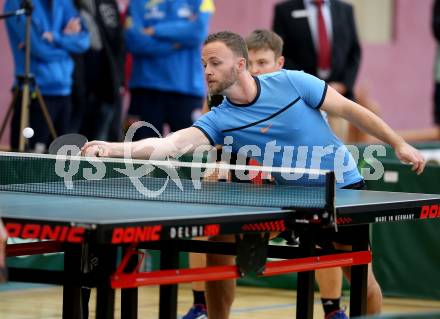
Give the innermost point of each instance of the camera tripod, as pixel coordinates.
(25, 82)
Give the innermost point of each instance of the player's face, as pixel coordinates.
(221, 67)
(264, 61)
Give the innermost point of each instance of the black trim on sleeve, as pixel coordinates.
(323, 97)
(206, 134)
(263, 120)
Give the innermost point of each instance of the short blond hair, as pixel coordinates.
(232, 40)
(265, 39)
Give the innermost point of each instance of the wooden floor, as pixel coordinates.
(255, 303)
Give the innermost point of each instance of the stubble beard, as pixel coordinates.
(221, 87)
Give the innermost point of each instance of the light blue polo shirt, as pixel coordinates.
(283, 127)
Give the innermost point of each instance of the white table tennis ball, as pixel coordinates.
(28, 132)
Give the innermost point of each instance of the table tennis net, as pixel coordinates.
(185, 182)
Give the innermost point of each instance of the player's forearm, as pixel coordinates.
(174, 145)
(150, 148)
(336, 104)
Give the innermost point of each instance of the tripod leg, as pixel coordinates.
(45, 113)
(9, 112)
(24, 120)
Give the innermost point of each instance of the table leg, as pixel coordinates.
(129, 303)
(72, 307)
(105, 302)
(359, 277)
(169, 259)
(105, 294)
(129, 296)
(305, 280)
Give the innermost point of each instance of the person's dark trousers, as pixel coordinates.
(79, 94)
(155, 107)
(98, 119)
(103, 105)
(115, 130)
(102, 121)
(59, 109)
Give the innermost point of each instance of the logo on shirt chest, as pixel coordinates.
(153, 11)
(266, 128)
(185, 12)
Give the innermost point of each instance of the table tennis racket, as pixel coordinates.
(72, 139)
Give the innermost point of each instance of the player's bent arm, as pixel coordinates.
(173, 145)
(336, 104)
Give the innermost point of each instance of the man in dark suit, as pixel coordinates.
(297, 22)
(320, 38)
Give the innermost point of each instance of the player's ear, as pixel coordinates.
(242, 65)
(280, 62)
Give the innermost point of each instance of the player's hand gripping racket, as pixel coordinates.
(66, 142)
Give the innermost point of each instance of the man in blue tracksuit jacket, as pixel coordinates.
(167, 82)
(56, 31)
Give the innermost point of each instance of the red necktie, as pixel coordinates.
(324, 50)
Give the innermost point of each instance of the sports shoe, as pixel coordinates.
(197, 312)
(338, 314)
